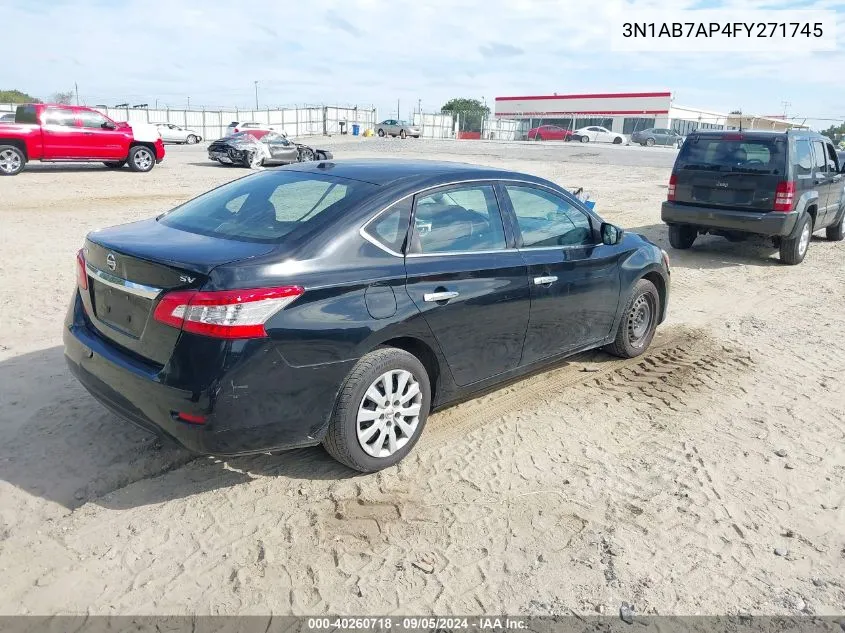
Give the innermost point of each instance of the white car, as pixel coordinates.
(240, 126)
(597, 134)
(172, 133)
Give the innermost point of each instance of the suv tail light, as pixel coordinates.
(228, 314)
(784, 196)
(81, 273)
(673, 183)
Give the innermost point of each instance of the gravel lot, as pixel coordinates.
(658, 481)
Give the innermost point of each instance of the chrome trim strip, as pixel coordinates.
(436, 297)
(445, 253)
(148, 292)
(363, 233)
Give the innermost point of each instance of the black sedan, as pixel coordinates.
(341, 302)
(257, 148)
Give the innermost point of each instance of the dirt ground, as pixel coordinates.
(706, 477)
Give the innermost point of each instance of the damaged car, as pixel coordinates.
(262, 148)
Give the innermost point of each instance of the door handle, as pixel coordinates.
(545, 281)
(88, 133)
(435, 297)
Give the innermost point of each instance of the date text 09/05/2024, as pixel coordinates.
(769, 30)
(418, 623)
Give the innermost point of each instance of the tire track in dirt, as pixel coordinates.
(682, 361)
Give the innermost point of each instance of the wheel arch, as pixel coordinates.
(660, 283)
(148, 144)
(424, 353)
(18, 143)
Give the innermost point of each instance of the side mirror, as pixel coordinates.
(108, 125)
(610, 234)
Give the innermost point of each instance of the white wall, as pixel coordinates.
(435, 125)
(615, 104)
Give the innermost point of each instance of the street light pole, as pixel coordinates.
(256, 94)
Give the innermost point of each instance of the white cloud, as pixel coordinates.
(371, 51)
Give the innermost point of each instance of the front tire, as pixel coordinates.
(381, 411)
(682, 236)
(793, 250)
(191, 140)
(12, 160)
(141, 158)
(306, 155)
(639, 321)
(617, 141)
(649, 142)
(836, 232)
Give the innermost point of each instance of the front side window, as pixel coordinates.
(460, 219)
(268, 206)
(546, 219)
(92, 120)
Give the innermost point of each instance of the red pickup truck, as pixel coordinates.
(54, 133)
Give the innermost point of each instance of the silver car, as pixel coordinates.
(172, 133)
(395, 127)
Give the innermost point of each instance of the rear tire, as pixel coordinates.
(12, 160)
(381, 133)
(682, 236)
(793, 250)
(345, 438)
(403, 134)
(585, 139)
(836, 232)
(639, 321)
(141, 158)
(114, 164)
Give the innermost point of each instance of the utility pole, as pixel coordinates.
(397, 109)
(786, 104)
(76, 90)
(189, 103)
(256, 94)
(419, 106)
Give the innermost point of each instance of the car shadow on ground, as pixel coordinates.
(63, 446)
(46, 168)
(710, 251)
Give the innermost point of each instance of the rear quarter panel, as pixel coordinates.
(27, 133)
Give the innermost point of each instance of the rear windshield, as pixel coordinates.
(753, 156)
(268, 206)
(26, 114)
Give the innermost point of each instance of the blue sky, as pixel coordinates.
(378, 51)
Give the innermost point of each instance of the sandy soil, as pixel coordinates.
(654, 481)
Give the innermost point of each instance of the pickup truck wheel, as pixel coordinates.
(12, 160)
(380, 412)
(141, 158)
(836, 232)
(793, 250)
(682, 236)
(639, 321)
(114, 164)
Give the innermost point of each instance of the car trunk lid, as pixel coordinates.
(130, 267)
(736, 171)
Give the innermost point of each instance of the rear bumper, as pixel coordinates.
(256, 403)
(770, 223)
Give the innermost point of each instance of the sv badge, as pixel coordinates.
(186, 280)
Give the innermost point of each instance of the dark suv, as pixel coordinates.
(783, 185)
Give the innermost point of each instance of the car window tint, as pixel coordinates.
(58, 116)
(268, 206)
(832, 163)
(391, 227)
(803, 158)
(764, 156)
(460, 219)
(26, 114)
(820, 161)
(92, 119)
(545, 219)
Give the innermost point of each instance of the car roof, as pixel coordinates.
(759, 133)
(381, 171)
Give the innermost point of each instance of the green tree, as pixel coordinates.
(16, 96)
(471, 112)
(65, 98)
(835, 132)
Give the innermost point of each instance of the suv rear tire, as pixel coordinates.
(794, 249)
(836, 232)
(682, 236)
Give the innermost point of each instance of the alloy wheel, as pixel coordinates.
(389, 413)
(804, 242)
(143, 159)
(10, 161)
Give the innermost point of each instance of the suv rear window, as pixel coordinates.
(268, 206)
(744, 155)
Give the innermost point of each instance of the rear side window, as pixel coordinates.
(268, 206)
(803, 158)
(26, 114)
(820, 162)
(391, 227)
(753, 156)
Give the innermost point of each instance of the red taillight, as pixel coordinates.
(673, 183)
(732, 137)
(784, 196)
(191, 418)
(224, 313)
(81, 273)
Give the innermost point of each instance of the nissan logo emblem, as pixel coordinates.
(110, 260)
